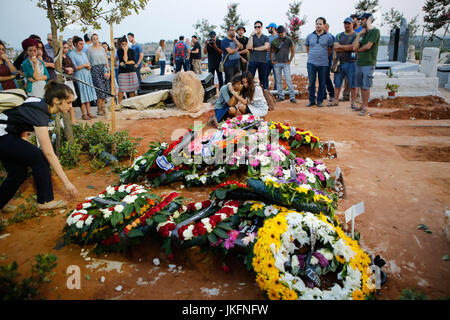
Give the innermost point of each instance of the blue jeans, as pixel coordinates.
(138, 73)
(271, 67)
(347, 69)
(313, 72)
(180, 63)
(286, 69)
(330, 87)
(262, 68)
(162, 66)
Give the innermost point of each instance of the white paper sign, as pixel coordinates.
(354, 211)
(337, 173)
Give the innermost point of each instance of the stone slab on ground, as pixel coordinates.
(144, 101)
(160, 113)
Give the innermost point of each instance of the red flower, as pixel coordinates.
(214, 220)
(171, 257)
(227, 211)
(226, 268)
(199, 229)
(298, 137)
(80, 206)
(313, 140)
(180, 232)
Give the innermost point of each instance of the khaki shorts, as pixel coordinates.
(197, 66)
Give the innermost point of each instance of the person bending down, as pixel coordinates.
(17, 154)
(229, 103)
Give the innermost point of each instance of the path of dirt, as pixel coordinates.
(400, 192)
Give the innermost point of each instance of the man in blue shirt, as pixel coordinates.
(231, 57)
(318, 46)
(180, 54)
(272, 29)
(139, 53)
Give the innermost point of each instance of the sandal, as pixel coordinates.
(8, 208)
(356, 109)
(92, 117)
(362, 113)
(332, 104)
(54, 204)
(86, 117)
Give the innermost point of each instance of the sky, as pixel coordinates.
(168, 19)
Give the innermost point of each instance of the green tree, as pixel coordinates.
(232, 18)
(366, 6)
(62, 13)
(393, 19)
(203, 28)
(437, 16)
(294, 21)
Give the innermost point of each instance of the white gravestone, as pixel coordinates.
(430, 59)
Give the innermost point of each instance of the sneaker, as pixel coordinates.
(54, 204)
(279, 99)
(311, 104)
(293, 100)
(320, 104)
(362, 112)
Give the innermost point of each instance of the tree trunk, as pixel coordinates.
(57, 49)
(113, 89)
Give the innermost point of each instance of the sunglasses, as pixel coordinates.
(257, 27)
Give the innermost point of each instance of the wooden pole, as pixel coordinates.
(113, 89)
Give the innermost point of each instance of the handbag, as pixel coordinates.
(336, 65)
(221, 68)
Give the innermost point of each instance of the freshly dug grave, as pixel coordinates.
(409, 102)
(439, 113)
(300, 83)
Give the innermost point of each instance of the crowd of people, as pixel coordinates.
(350, 55)
(86, 64)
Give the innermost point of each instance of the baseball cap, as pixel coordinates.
(349, 20)
(241, 27)
(212, 34)
(271, 25)
(365, 15)
(280, 29)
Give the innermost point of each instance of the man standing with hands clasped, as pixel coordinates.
(279, 56)
(366, 45)
(231, 57)
(258, 45)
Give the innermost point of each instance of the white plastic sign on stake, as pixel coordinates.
(353, 212)
(337, 173)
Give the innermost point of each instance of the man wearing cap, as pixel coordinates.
(272, 29)
(258, 45)
(279, 56)
(366, 45)
(196, 55)
(343, 47)
(244, 53)
(212, 48)
(319, 45)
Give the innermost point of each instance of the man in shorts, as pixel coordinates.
(366, 45)
(343, 46)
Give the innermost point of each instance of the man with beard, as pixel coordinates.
(244, 53)
(231, 57)
(366, 45)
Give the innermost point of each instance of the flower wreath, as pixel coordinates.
(280, 259)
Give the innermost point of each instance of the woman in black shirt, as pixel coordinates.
(17, 154)
(127, 80)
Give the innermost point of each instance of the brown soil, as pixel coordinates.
(425, 153)
(300, 83)
(398, 196)
(408, 102)
(427, 108)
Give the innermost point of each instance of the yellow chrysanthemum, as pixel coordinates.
(357, 295)
(308, 139)
(273, 294)
(290, 295)
(257, 206)
(287, 134)
(302, 189)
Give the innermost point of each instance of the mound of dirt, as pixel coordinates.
(300, 84)
(438, 113)
(408, 102)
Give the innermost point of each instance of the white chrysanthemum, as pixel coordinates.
(198, 205)
(143, 162)
(326, 253)
(207, 224)
(79, 224)
(187, 234)
(110, 190)
(101, 196)
(129, 199)
(164, 145)
(311, 178)
(203, 179)
(121, 188)
(309, 162)
(89, 220)
(118, 208)
(136, 168)
(270, 210)
(321, 167)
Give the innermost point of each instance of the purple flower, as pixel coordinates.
(219, 241)
(323, 262)
(254, 163)
(320, 175)
(229, 243)
(269, 147)
(301, 178)
(300, 161)
(301, 260)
